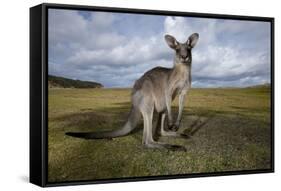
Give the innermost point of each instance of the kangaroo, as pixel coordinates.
(155, 91)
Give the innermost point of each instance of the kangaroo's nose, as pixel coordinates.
(184, 57)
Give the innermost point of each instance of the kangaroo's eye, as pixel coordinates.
(177, 48)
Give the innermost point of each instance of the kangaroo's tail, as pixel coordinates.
(130, 125)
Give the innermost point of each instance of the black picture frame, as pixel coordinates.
(39, 92)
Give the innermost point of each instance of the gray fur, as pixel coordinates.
(155, 91)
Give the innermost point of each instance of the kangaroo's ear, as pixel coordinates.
(171, 41)
(192, 40)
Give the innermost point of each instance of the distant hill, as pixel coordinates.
(266, 85)
(61, 82)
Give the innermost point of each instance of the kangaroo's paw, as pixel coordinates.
(174, 134)
(173, 127)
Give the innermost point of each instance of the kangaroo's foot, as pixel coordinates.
(173, 127)
(174, 134)
(160, 145)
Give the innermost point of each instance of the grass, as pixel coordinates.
(229, 129)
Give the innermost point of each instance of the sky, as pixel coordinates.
(115, 49)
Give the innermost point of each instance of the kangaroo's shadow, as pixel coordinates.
(196, 125)
(89, 119)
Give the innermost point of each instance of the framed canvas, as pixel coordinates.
(130, 95)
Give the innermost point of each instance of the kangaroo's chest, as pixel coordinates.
(181, 82)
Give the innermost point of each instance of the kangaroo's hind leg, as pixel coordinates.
(148, 141)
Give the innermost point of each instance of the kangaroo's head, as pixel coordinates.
(183, 50)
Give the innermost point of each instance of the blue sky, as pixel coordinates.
(115, 49)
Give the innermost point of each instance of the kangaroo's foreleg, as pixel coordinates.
(169, 110)
(181, 106)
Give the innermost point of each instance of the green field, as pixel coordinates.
(229, 130)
